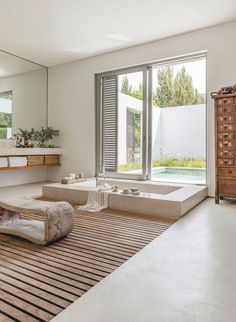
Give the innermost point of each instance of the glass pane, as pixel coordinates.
(130, 120)
(178, 123)
(5, 115)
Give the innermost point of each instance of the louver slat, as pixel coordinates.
(110, 110)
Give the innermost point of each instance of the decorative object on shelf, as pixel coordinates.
(225, 145)
(135, 191)
(43, 136)
(24, 138)
(72, 178)
(224, 91)
(130, 191)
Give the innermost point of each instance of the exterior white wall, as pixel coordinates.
(177, 132)
(29, 110)
(72, 98)
(181, 130)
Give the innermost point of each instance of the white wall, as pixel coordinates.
(72, 98)
(29, 98)
(29, 110)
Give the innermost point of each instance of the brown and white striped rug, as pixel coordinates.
(38, 282)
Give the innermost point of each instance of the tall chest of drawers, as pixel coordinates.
(225, 145)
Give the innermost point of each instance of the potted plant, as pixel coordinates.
(44, 135)
(24, 137)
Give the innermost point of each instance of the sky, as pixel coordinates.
(5, 105)
(196, 69)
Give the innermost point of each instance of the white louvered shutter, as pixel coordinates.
(110, 122)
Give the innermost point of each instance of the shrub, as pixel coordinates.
(3, 133)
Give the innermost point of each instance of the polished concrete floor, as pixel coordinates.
(31, 190)
(185, 275)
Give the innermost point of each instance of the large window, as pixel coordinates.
(6, 115)
(151, 121)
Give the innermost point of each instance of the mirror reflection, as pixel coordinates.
(23, 95)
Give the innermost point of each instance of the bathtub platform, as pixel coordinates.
(165, 200)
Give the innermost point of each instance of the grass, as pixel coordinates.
(184, 163)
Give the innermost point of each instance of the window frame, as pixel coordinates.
(147, 114)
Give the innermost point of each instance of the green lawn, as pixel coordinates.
(184, 163)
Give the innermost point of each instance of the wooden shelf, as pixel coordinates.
(30, 151)
(30, 167)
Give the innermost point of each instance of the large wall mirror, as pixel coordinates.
(23, 95)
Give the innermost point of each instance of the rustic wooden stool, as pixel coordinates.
(56, 219)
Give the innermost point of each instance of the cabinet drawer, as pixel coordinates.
(225, 162)
(226, 118)
(225, 109)
(226, 135)
(226, 144)
(52, 159)
(226, 127)
(225, 101)
(225, 153)
(227, 187)
(227, 172)
(35, 159)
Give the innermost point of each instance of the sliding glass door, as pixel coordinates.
(179, 122)
(151, 122)
(123, 126)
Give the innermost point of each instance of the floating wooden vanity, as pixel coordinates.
(36, 157)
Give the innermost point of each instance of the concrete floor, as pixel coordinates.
(185, 275)
(31, 190)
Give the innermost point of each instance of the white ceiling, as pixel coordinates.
(52, 32)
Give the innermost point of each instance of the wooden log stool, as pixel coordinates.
(56, 219)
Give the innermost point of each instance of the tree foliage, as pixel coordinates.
(170, 91)
(5, 120)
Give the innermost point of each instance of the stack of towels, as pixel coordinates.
(3, 162)
(17, 161)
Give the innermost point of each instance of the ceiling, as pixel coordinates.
(52, 32)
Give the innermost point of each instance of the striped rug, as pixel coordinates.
(38, 282)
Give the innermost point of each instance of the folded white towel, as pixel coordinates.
(17, 161)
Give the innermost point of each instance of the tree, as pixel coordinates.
(163, 95)
(170, 90)
(5, 120)
(183, 91)
(125, 87)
